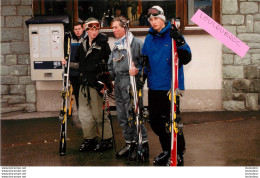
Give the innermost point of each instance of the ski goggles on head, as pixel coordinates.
(154, 12)
(93, 25)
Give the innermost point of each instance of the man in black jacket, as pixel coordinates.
(93, 52)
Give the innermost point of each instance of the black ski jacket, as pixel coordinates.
(90, 59)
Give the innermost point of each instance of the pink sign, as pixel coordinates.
(219, 32)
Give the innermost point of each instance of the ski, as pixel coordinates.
(134, 96)
(65, 92)
(174, 97)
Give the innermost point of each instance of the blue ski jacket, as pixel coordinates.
(158, 48)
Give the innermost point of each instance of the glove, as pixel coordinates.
(177, 36)
(106, 78)
(184, 56)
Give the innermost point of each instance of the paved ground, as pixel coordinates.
(212, 139)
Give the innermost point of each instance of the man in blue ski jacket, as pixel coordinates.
(158, 48)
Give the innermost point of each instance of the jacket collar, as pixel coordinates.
(166, 28)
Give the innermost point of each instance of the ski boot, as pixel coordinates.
(145, 149)
(88, 144)
(126, 150)
(162, 159)
(104, 145)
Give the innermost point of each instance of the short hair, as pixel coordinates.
(78, 23)
(120, 19)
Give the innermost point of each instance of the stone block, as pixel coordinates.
(234, 105)
(257, 85)
(251, 72)
(249, 23)
(11, 80)
(241, 29)
(254, 45)
(17, 89)
(8, 10)
(252, 101)
(5, 48)
(246, 60)
(4, 90)
(25, 28)
(227, 90)
(11, 59)
(233, 19)
(5, 2)
(256, 59)
(248, 7)
(24, 59)
(24, 10)
(30, 93)
(26, 2)
(228, 58)
(2, 21)
(227, 50)
(254, 51)
(253, 38)
(14, 99)
(233, 72)
(2, 59)
(257, 27)
(257, 17)
(232, 29)
(25, 80)
(20, 47)
(238, 96)
(29, 107)
(14, 21)
(12, 34)
(5, 70)
(14, 2)
(242, 86)
(229, 6)
(19, 70)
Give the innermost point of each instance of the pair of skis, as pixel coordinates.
(66, 94)
(136, 97)
(174, 97)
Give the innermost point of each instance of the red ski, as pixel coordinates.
(174, 97)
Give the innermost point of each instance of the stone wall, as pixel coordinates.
(241, 76)
(17, 89)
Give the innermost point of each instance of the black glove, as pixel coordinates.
(177, 36)
(184, 56)
(106, 78)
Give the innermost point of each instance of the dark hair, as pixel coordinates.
(78, 23)
(120, 19)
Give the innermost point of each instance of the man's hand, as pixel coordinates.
(133, 71)
(64, 61)
(176, 35)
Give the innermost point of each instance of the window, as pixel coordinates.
(134, 10)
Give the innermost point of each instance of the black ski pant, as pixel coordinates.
(159, 113)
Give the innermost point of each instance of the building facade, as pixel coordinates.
(216, 79)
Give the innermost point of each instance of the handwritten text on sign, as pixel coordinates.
(219, 32)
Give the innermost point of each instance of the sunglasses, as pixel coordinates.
(154, 12)
(93, 25)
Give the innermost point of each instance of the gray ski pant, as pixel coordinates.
(123, 106)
